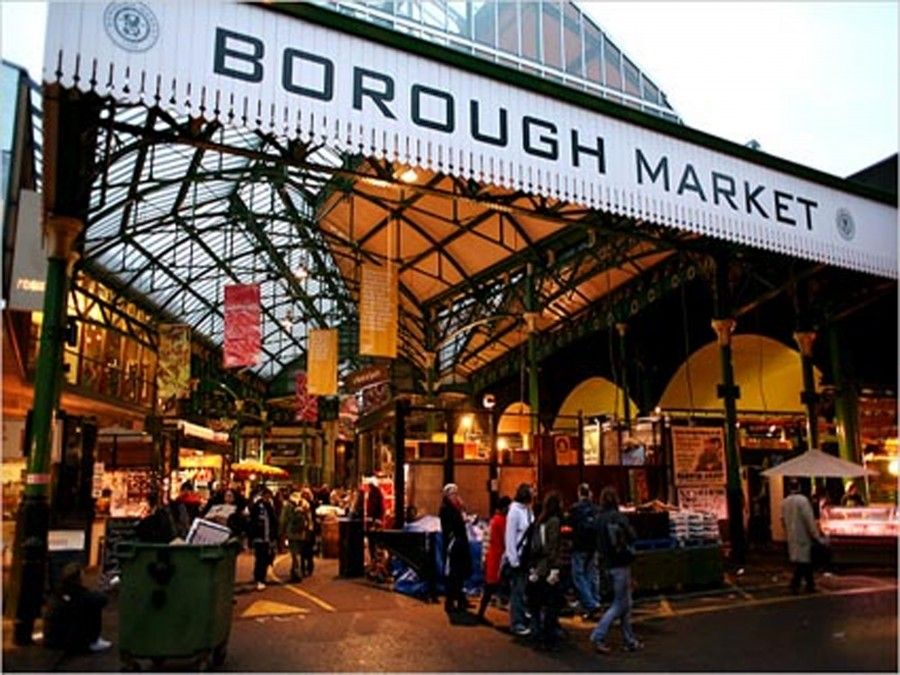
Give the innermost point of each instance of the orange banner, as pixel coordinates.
(322, 362)
(378, 312)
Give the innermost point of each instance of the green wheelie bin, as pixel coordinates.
(175, 602)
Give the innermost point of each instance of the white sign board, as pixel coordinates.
(258, 67)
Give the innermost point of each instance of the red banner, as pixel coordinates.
(243, 337)
(307, 405)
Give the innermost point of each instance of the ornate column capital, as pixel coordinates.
(62, 231)
(805, 340)
(724, 328)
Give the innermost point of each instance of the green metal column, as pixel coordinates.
(846, 411)
(33, 519)
(531, 315)
(808, 396)
(723, 324)
(622, 328)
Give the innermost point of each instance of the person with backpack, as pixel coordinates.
(294, 525)
(519, 522)
(616, 545)
(543, 574)
(584, 517)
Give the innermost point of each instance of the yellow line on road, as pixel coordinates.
(665, 609)
(758, 602)
(299, 591)
(312, 598)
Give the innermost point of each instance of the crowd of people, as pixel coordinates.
(524, 561)
(283, 520)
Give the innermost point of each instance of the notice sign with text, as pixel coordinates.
(378, 312)
(704, 499)
(699, 455)
(323, 361)
(243, 337)
(173, 374)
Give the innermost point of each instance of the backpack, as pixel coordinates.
(526, 546)
(586, 526)
(620, 550)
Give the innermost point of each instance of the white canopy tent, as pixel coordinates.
(818, 464)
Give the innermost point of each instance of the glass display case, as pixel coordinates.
(865, 521)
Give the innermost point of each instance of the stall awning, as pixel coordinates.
(818, 464)
(309, 74)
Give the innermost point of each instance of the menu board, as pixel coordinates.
(699, 455)
(117, 530)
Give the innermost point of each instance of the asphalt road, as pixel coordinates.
(326, 624)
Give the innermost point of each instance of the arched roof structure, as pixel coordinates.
(768, 373)
(593, 396)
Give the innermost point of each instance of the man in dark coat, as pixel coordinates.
(262, 531)
(457, 557)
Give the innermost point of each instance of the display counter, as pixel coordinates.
(864, 535)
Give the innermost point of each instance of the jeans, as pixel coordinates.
(295, 547)
(518, 579)
(585, 580)
(619, 609)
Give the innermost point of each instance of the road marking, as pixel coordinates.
(665, 609)
(309, 596)
(299, 591)
(269, 608)
(758, 602)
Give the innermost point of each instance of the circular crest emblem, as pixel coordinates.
(845, 225)
(131, 25)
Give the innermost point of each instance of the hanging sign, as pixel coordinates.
(366, 377)
(259, 67)
(173, 372)
(243, 338)
(378, 312)
(29, 263)
(307, 405)
(322, 357)
(699, 455)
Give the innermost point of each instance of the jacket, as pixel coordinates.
(517, 521)
(583, 517)
(799, 526)
(456, 541)
(547, 546)
(296, 522)
(495, 549)
(262, 524)
(608, 553)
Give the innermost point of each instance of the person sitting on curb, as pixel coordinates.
(75, 615)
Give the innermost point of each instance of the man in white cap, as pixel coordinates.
(457, 557)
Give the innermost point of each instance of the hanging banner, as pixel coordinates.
(699, 455)
(287, 73)
(378, 312)
(307, 405)
(173, 372)
(322, 358)
(243, 338)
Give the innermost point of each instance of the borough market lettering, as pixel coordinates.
(240, 56)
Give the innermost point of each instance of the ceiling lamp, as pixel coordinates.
(407, 176)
